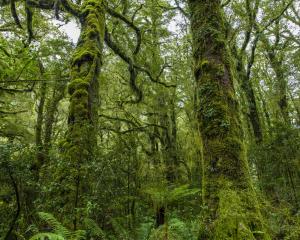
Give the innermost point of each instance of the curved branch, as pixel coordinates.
(117, 50)
(13, 113)
(14, 13)
(129, 24)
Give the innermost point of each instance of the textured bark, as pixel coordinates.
(81, 136)
(226, 168)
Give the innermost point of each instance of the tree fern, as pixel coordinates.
(163, 195)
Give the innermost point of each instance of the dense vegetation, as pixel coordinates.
(166, 119)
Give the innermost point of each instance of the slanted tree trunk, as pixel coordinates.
(228, 186)
(253, 113)
(57, 96)
(281, 85)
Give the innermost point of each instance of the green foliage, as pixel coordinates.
(175, 229)
(120, 162)
(58, 230)
(280, 155)
(47, 236)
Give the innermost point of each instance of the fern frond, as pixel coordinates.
(47, 236)
(182, 192)
(93, 229)
(57, 227)
(78, 235)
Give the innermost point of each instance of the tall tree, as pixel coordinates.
(226, 167)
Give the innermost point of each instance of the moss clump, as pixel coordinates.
(80, 94)
(86, 54)
(78, 84)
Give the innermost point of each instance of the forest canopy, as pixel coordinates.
(162, 120)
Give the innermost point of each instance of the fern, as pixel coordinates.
(175, 229)
(93, 229)
(181, 192)
(57, 227)
(59, 231)
(47, 236)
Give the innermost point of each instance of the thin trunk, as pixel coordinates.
(281, 85)
(39, 125)
(52, 106)
(252, 104)
(247, 87)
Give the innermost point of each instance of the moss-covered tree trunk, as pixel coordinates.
(233, 213)
(82, 131)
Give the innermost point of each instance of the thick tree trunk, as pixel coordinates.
(83, 89)
(228, 184)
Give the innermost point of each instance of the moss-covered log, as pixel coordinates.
(233, 211)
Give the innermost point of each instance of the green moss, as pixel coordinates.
(225, 165)
(78, 84)
(85, 65)
(81, 94)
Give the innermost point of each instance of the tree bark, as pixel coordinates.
(81, 139)
(226, 167)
